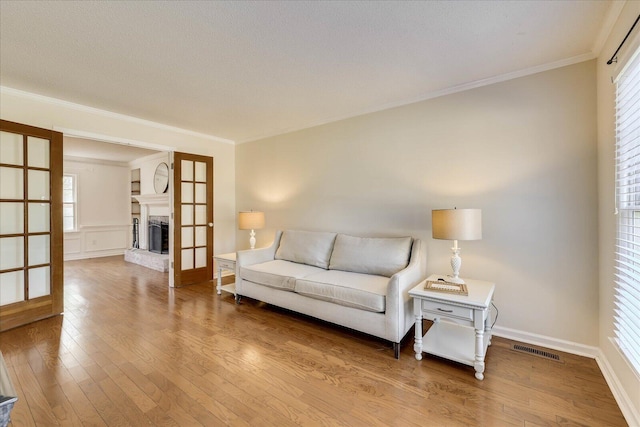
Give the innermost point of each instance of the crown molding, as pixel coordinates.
(438, 93)
(104, 113)
(90, 160)
(608, 23)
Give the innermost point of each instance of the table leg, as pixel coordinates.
(219, 287)
(417, 346)
(487, 325)
(479, 360)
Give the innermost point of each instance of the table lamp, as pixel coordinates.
(251, 220)
(456, 224)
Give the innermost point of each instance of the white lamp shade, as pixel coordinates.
(456, 224)
(250, 220)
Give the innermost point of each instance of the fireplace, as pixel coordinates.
(159, 235)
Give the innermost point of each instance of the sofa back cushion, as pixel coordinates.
(382, 256)
(306, 247)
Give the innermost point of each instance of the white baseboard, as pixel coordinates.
(548, 342)
(225, 273)
(96, 254)
(631, 414)
(622, 398)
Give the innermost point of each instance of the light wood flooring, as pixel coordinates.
(129, 351)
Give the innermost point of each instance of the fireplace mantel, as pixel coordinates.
(153, 199)
(150, 204)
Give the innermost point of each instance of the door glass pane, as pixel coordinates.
(201, 214)
(11, 218)
(187, 192)
(187, 259)
(38, 185)
(11, 252)
(187, 215)
(201, 193)
(38, 218)
(37, 152)
(187, 237)
(187, 170)
(201, 172)
(11, 148)
(39, 282)
(201, 257)
(11, 287)
(12, 184)
(38, 250)
(201, 236)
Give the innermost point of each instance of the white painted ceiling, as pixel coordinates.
(241, 70)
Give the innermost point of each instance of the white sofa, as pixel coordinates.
(361, 283)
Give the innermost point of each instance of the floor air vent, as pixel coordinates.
(536, 352)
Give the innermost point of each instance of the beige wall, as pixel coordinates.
(42, 112)
(524, 151)
(607, 224)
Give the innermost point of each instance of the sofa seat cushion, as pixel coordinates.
(306, 247)
(382, 256)
(363, 291)
(277, 273)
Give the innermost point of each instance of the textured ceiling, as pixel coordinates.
(244, 70)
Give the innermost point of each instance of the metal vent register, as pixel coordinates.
(536, 352)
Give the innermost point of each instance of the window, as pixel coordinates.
(627, 263)
(69, 203)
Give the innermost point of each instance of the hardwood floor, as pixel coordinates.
(130, 351)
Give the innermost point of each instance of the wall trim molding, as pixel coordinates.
(629, 412)
(110, 114)
(93, 254)
(548, 342)
(92, 161)
(434, 94)
(608, 23)
(631, 415)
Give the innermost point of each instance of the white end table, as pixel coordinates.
(225, 262)
(468, 322)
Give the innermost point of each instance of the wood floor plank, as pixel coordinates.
(34, 396)
(130, 351)
(20, 414)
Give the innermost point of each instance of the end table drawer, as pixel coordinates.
(227, 265)
(447, 310)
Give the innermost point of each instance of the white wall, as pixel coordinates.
(104, 209)
(524, 151)
(628, 383)
(49, 114)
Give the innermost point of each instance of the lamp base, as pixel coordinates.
(456, 263)
(252, 239)
(456, 280)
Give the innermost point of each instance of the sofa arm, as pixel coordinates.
(398, 307)
(256, 256)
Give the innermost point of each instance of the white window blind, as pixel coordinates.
(627, 269)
